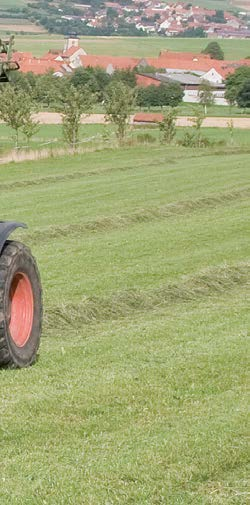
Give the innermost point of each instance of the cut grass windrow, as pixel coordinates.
(54, 179)
(208, 282)
(107, 223)
(75, 175)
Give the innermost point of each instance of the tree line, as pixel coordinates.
(77, 94)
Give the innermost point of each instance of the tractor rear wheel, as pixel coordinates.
(20, 306)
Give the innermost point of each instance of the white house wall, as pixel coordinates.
(191, 96)
(213, 76)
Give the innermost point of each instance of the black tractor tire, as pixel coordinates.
(20, 306)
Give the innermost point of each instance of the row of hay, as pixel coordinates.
(105, 223)
(208, 282)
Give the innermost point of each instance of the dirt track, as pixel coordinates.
(213, 122)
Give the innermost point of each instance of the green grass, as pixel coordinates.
(50, 136)
(139, 394)
(187, 109)
(131, 46)
(5, 4)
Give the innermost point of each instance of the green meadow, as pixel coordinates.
(139, 393)
(95, 135)
(210, 4)
(131, 46)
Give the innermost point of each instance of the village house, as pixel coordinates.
(188, 69)
(172, 19)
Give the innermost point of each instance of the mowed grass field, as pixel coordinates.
(131, 46)
(139, 394)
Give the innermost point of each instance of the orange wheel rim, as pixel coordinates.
(21, 309)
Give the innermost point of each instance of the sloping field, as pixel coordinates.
(12, 3)
(131, 46)
(139, 394)
(241, 4)
(211, 4)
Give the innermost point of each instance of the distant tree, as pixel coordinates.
(16, 110)
(217, 18)
(111, 13)
(215, 51)
(234, 82)
(166, 94)
(152, 96)
(193, 33)
(205, 94)
(170, 94)
(141, 96)
(127, 76)
(243, 96)
(47, 87)
(119, 103)
(95, 78)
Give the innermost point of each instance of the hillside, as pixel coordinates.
(127, 18)
(139, 394)
(241, 4)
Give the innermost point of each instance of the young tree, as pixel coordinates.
(215, 51)
(205, 94)
(16, 109)
(119, 103)
(230, 125)
(30, 128)
(197, 121)
(72, 103)
(167, 126)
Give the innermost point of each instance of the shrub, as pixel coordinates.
(145, 138)
(191, 139)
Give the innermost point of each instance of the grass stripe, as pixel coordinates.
(161, 160)
(54, 179)
(211, 281)
(107, 223)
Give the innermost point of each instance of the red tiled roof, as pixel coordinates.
(118, 62)
(18, 56)
(143, 80)
(38, 66)
(70, 52)
(200, 64)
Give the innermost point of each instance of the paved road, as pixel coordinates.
(219, 122)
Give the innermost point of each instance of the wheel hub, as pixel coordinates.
(21, 309)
